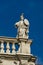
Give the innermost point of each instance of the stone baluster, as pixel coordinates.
(13, 48)
(2, 46)
(8, 48)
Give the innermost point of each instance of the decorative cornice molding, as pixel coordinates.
(18, 57)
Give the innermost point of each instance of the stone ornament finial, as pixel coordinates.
(23, 27)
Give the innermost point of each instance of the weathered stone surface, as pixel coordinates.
(23, 56)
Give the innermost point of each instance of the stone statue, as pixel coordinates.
(23, 27)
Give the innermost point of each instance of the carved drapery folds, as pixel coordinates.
(23, 28)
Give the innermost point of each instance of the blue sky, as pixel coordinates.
(10, 11)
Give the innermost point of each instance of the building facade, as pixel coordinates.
(23, 56)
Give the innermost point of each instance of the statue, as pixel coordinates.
(23, 27)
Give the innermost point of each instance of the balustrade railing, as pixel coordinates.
(5, 46)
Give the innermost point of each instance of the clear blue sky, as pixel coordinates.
(10, 11)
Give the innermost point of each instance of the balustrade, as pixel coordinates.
(2, 50)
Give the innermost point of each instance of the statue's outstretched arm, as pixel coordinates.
(17, 24)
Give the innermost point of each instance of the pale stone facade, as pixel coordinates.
(23, 56)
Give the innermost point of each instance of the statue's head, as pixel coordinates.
(22, 17)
